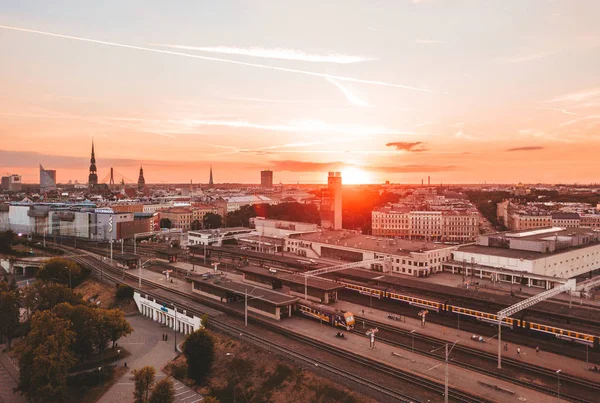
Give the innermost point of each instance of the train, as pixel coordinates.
(327, 315)
(447, 308)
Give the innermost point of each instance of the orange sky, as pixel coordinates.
(393, 91)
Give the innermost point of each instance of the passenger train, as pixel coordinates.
(445, 308)
(326, 314)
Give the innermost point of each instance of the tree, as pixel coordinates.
(6, 240)
(143, 379)
(195, 225)
(63, 271)
(10, 304)
(212, 220)
(42, 296)
(45, 358)
(199, 349)
(241, 217)
(115, 323)
(165, 223)
(163, 392)
(84, 324)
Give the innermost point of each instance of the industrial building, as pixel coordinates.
(413, 258)
(47, 180)
(536, 257)
(12, 183)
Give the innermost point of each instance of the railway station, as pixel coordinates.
(170, 253)
(319, 290)
(246, 255)
(262, 301)
(128, 260)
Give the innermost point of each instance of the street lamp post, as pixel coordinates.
(99, 369)
(234, 383)
(412, 333)
(175, 328)
(558, 384)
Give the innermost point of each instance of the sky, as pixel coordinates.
(462, 91)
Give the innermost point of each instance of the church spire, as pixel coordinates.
(210, 181)
(141, 180)
(93, 177)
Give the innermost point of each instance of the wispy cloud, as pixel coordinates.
(577, 96)
(527, 148)
(462, 135)
(216, 59)
(527, 57)
(350, 96)
(274, 53)
(429, 41)
(417, 146)
(315, 126)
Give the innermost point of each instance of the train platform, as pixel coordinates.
(544, 359)
(486, 285)
(482, 385)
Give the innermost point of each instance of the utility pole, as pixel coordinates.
(175, 328)
(446, 382)
(499, 343)
(111, 250)
(122, 247)
(306, 288)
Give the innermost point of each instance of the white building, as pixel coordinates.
(280, 228)
(538, 254)
(235, 202)
(412, 258)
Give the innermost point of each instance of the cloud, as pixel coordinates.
(274, 53)
(412, 168)
(301, 126)
(429, 41)
(527, 148)
(528, 57)
(352, 98)
(461, 135)
(407, 146)
(577, 96)
(216, 59)
(305, 166)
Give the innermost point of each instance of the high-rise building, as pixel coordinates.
(331, 202)
(12, 183)
(93, 177)
(266, 178)
(210, 180)
(141, 180)
(47, 180)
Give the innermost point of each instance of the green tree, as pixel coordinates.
(42, 296)
(45, 358)
(241, 217)
(165, 223)
(84, 324)
(143, 379)
(60, 270)
(199, 349)
(195, 225)
(163, 392)
(212, 221)
(10, 304)
(6, 240)
(115, 324)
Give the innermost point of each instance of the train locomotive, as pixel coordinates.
(327, 315)
(447, 308)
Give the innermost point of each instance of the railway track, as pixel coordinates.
(425, 383)
(525, 374)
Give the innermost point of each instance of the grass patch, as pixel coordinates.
(106, 357)
(329, 394)
(87, 394)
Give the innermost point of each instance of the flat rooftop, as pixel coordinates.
(368, 242)
(254, 292)
(312, 282)
(127, 256)
(543, 233)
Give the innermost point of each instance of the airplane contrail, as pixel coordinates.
(216, 59)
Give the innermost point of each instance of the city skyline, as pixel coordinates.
(467, 92)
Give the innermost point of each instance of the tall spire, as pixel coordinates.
(141, 181)
(93, 177)
(210, 181)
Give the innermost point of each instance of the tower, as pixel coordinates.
(331, 203)
(112, 178)
(210, 180)
(93, 177)
(266, 178)
(141, 181)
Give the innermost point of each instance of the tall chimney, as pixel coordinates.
(429, 181)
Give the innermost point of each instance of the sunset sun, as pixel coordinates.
(355, 176)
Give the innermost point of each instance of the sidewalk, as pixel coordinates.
(423, 366)
(9, 378)
(543, 359)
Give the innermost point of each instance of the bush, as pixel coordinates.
(124, 291)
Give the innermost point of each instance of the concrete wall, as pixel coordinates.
(19, 220)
